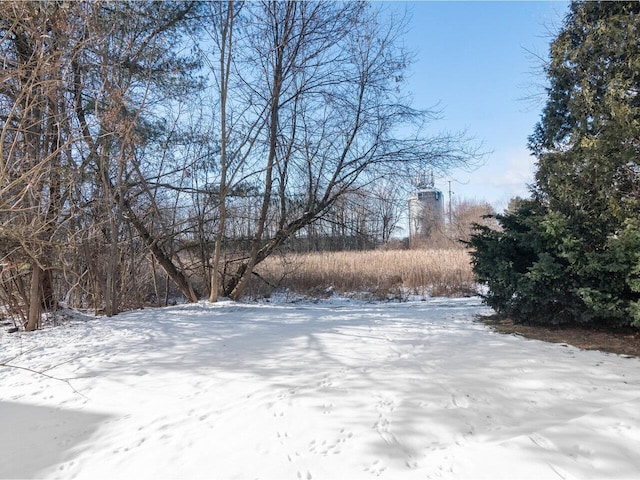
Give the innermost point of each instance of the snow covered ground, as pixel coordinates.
(335, 390)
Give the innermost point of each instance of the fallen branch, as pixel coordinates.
(42, 372)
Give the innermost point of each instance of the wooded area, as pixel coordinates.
(153, 146)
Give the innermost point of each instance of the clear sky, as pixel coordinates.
(477, 61)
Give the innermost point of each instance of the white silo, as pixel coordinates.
(426, 208)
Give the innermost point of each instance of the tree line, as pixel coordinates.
(141, 137)
(570, 254)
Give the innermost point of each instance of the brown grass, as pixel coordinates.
(380, 273)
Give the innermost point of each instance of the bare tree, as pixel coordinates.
(387, 201)
(234, 139)
(327, 84)
(79, 83)
(105, 163)
(467, 213)
(36, 164)
(118, 83)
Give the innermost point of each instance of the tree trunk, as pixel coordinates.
(238, 281)
(246, 269)
(226, 45)
(217, 253)
(34, 322)
(48, 300)
(165, 262)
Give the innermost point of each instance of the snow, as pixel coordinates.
(333, 390)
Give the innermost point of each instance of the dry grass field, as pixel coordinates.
(378, 273)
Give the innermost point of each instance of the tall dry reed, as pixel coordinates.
(382, 273)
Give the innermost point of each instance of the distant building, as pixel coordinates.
(426, 208)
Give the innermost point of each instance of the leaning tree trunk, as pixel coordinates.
(234, 289)
(163, 259)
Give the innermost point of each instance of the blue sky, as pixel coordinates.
(476, 61)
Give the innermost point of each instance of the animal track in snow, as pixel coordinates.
(386, 405)
(563, 474)
(382, 426)
(376, 468)
(281, 437)
(326, 447)
(460, 401)
(325, 382)
(411, 463)
(542, 442)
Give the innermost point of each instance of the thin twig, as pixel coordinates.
(19, 367)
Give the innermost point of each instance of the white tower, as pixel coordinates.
(426, 207)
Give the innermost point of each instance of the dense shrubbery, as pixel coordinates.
(571, 254)
(537, 272)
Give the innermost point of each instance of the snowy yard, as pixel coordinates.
(335, 390)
